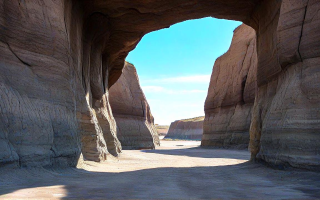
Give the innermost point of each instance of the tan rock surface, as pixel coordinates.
(135, 123)
(190, 129)
(231, 93)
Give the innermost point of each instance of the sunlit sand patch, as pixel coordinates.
(134, 160)
(45, 192)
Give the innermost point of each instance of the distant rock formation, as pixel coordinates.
(190, 129)
(231, 93)
(135, 123)
(162, 129)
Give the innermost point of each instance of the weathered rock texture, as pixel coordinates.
(190, 129)
(231, 93)
(135, 123)
(59, 58)
(286, 116)
(54, 99)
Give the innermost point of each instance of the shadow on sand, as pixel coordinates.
(246, 180)
(201, 152)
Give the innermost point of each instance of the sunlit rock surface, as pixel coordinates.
(135, 123)
(231, 93)
(190, 129)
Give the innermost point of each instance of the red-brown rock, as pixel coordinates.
(135, 123)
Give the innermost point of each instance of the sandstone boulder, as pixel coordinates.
(135, 123)
(190, 129)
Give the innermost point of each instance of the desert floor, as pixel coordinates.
(176, 170)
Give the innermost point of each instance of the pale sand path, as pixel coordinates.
(177, 169)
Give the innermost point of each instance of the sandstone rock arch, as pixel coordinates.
(60, 57)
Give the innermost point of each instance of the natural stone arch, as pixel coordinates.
(48, 43)
(130, 21)
(282, 42)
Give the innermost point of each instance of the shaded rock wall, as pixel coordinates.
(231, 93)
(50, 106)
(135, 123)
(59, 58)
(285, 124)
(190, 129)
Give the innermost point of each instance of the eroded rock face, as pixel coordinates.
(59, 58)
(285, 124)
(190, 129)
(231, 93)
(51, 107)
(135, 123)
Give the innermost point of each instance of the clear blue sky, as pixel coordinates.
(175, 64)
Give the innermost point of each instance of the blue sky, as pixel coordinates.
(175, 64)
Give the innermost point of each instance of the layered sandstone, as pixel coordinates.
(59, 58)
(190, 129)
(54, 100)
(135, 123)
(231, 93)
(286, 116)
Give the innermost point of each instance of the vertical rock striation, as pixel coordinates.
(190, 129)
(231, 93)
(54, 103)
(286, 115)
(136, 129)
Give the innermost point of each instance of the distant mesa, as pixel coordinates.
(162, 130)
(187, 129)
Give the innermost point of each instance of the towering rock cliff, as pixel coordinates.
(60, 57)
(135, 123)
(231, 93)
(54, 99)
(190, 129)
(286, 115)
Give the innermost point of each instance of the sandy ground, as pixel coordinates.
(176, 170)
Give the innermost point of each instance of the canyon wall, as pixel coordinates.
(59, 58)
(286, 115)
(135, 123)
(190, 129)
(231, 93)
(54, 100)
